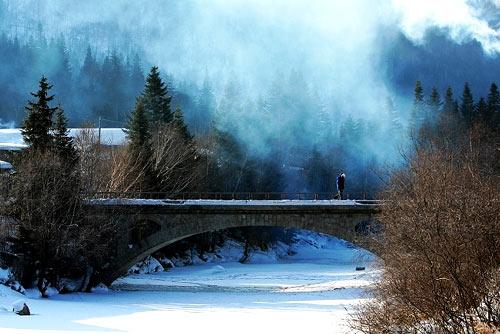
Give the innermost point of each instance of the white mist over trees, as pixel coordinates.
(297, 78)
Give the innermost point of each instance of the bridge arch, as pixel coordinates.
(146, 229)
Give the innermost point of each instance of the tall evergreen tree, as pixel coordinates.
(37, 126)
(138, 131)
(136, 76)
(418, 110)
(63, 143)
(178, 121)
(205, 108)
(467, 106)
(89, 66)
(393, 126)
(493, 113)
(88, 86)
(434, 105)
(448, 106)
(456, 109)
(156, 99)
(481, 110)
(62, 77)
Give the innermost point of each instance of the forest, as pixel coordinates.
(289, 138)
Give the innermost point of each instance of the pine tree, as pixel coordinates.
(63, 143)
(205, 108)
(493, 113)
(418, 110)
(448, 106)
(138, 131)
(456, 108)
(393, 126)
(467, 106)
(116, 92)
(481, 110)
(88, 86)
(89, 72)
(62, 77)
(89, 66)
(36, 129)
(178, 121)
(434, 106)
(136, 76)
(156, 99)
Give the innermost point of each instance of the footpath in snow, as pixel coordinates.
(304, 288)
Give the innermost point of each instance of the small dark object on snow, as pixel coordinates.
(24, 311)
(360, 268)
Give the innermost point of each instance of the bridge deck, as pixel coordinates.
(204, 202)
(233, 206)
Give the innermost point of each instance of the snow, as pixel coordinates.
(51, 291)
(147, 266)
(4, 275)
(206, 202)
(18, 305)
(5, 165)
(306, 288)
(12, 139)
(100, 288)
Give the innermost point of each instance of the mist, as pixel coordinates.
(280, 75)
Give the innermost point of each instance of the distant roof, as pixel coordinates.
(12, 140)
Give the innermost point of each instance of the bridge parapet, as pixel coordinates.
(225, 195)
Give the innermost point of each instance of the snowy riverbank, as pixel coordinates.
(307, 288)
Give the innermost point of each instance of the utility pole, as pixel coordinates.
(99, 133)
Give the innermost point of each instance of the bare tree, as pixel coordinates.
(175, 161)
(93, 160)
(126, 173)
(56, 237)
(441, 242)
(107, 168)
(46, 204)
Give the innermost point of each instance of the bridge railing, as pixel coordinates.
(223, 196)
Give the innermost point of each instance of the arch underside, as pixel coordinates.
(168, 229)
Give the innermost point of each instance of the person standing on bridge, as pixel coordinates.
(340, 185)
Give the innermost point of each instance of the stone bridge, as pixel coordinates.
(149, 225)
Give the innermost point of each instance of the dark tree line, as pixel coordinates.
(438, 62)
(101, 86)
(458, 113)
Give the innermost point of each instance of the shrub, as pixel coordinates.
(441, 243)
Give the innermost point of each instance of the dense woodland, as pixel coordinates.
(289, 139)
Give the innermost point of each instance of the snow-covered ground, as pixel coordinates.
(12, 139)
(308, 287)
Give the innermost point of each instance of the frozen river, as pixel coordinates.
(309, 292)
